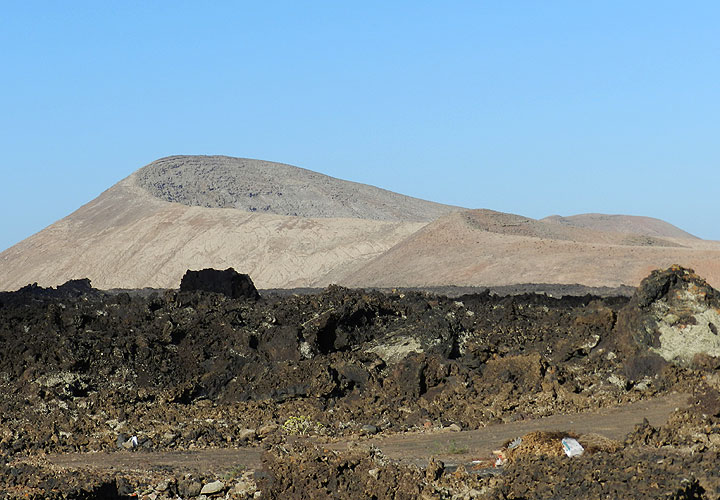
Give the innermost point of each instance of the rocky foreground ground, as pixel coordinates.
(83, 370)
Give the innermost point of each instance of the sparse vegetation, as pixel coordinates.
(301, 426)
(456, 449)
(452, 448)
(235, 472)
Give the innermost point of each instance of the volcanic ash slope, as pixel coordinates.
(483, 247)
(288, 227)
(285, 226)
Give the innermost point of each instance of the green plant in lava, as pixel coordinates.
(301, 426)
(455, 449)
(452, 448)
(235, 472)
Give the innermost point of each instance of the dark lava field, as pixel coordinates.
(217, 365)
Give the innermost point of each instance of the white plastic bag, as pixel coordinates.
(571, 447)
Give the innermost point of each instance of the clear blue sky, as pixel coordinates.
(530, 107)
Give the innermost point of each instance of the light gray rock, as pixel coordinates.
(244, 487)
(369, 429)
(189, 488)
(130, 443)
(247, 434)
(214, 487)
(169, 437)
(121, 438)
(267, 429)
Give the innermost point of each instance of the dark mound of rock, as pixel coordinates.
(313, 473)
(629, 474)
(395, 361)
(29, 481)
(664, 283)
(72, 288)
(304, 472)
(674, 317)
(228, 282)
(69, 290)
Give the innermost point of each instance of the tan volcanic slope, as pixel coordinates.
(484, 247)
(128, 238)
(192, 212)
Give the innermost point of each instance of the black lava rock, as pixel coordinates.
(228, 282)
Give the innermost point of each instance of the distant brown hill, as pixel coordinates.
(289, 227)
(516, 225)
(647, 226)
(484, 247)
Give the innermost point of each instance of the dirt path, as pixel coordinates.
(461, 447)
(451, 447)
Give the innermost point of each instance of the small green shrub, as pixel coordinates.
(301, 426)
